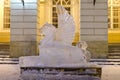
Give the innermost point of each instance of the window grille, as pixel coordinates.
(114, 14)
(65, 3)
(6, 14)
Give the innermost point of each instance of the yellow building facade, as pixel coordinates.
(97, 24)
(4, 21)
(113, 21)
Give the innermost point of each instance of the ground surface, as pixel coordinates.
(11, 72)
(111, 72)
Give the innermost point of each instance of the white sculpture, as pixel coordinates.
(56, 51)
(56, 47)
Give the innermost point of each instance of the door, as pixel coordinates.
(47, 13)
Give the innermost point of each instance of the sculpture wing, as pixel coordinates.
(66, 26)
(48, 30)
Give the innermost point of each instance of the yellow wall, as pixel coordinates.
(4, 37)
(42, 14)
(1, 14)
(114, 36)
(4, 34)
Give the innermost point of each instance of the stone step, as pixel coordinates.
(113, 48)
(114, 51)
(4, 52)
(4, 56)
(113, 55)
(9, 62)
(4, 48)
(97, 61)
(9, 59)
(5, 59)
(106, 61)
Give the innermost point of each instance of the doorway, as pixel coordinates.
(47, 13)
(4, 27)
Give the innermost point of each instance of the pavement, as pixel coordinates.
(12, 72)
(111, 72)
(9, 72)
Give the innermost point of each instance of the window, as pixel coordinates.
(65, 3)
(6, 14)
(113, 14)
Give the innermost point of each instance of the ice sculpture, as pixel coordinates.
(56, 54)
(55, 49)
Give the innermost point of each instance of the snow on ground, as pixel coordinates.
(9, 72)
(111, 72)
(12, 72)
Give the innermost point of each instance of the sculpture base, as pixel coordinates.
(33, 76)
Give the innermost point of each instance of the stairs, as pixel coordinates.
(114, 51)
(106, 61)
(4, 48)
(4, 55)
(5, 59)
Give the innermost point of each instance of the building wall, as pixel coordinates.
(23, 28)
(94, 26)
(114, 36)
(4, 33)
(1, 14)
